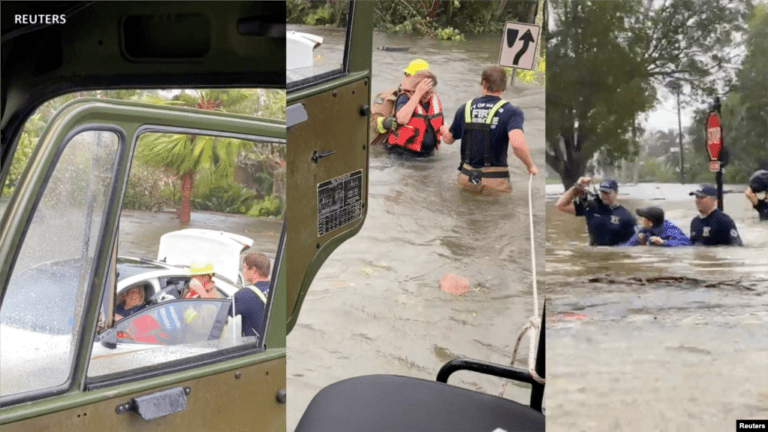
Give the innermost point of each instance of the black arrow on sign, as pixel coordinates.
(512, 37)
(527, 39)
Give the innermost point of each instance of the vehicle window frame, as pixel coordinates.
(110, 211)
(324, 77)
(206, 359)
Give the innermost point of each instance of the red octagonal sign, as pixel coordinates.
(714, 136)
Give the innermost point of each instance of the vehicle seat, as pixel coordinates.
(385, 403)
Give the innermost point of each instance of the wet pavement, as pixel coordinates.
(647, 338)
(375, 307)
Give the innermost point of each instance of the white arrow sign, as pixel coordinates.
(518, 45)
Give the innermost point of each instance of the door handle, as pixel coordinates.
(317, 155)
(157, 405)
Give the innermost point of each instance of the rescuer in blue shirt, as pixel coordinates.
(712, 227)
(654, 230)
(608, 223)
(758, 182)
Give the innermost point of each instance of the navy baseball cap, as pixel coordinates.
(704, 190)
(758, 182)
(609, 185)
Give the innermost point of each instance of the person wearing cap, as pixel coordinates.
(383, 108)
(608, 223)
(656, 231)
(250, 302)
(419, 115)
(712, 227)
(487, 127)
(201, 283)
(758, 183)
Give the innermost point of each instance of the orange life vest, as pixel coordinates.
(411, 134)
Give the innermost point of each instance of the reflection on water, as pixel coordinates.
(375, 306)
(688, 355)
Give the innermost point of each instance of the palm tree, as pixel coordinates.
(184, 155)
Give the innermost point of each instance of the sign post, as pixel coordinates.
(714, 133)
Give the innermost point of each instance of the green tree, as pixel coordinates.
(744, 111)
(608, 58)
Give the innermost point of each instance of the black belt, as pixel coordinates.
(476, 176)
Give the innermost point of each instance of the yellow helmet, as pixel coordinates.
(416, 66)
(197, 269)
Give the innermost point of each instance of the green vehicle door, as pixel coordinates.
(328, 108)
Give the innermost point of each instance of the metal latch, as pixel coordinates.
(316, 155)
(158, 404)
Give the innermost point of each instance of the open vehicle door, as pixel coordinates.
(328, 108)
(59, 228)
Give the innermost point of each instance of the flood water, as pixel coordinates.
(630, 351)
(375, 307)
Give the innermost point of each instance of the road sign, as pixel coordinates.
(518, 45)
(714, 136)
(714, 166)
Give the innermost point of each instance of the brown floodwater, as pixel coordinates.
(647, 338)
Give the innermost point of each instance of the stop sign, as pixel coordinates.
(714, 136)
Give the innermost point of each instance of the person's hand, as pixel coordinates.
(445, 130)
(532, 170)
(749, 193)
(583, 182)
(657, 240)
(641, 238)
(423, 88)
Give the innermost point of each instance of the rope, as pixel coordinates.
(533, 321)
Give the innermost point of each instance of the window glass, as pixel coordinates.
(201, 222)
(317, 39)
(43, 304)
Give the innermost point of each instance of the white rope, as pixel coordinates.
(533, 249)
(533, 322)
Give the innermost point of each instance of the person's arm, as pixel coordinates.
(734, 234)
(751, 196)
(520, 149)
(404, 114)
(565, 202)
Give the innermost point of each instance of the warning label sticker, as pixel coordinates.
(339, 201)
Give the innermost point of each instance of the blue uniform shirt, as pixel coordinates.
(251, 308)
(668, 232)
(716, 229)
(607, 226)
(508, 116)
(762, 209)
(429, 142)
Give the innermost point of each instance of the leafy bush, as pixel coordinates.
(227, 198)
(269, 206)
(148, 189)
(449, 33)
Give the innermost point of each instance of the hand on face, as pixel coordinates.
(424, 88)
